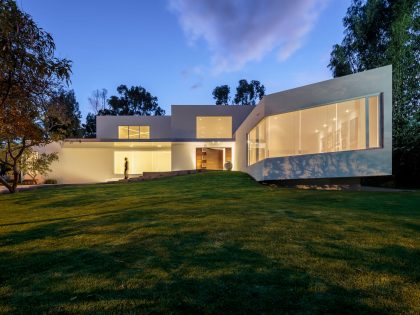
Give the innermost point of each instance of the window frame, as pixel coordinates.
(128, 132)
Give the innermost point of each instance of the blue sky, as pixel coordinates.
(179, 50)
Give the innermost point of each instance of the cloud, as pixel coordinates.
(241, 31)
(196, 85)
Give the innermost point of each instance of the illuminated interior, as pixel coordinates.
(336, 127)
(214, 127)
(133, 132)
(142, 161)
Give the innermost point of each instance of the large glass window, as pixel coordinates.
(142, 161)
(330, 128)
(122, 132)
(257, 143)
(144, 132)
(283, 134)
(374, 125)
(133, 132)
(217, 127)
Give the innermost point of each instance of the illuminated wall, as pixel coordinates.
(214, 127)
(342, 126)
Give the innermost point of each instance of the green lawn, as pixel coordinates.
(208, 243)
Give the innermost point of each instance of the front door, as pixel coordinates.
(212, 158)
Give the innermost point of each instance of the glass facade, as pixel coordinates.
(142, 161)
(133, 132)
(348, 125)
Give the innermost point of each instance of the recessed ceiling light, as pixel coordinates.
(324, 125)
(316, 130)
(347, 110)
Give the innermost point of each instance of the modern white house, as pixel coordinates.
(340, 128)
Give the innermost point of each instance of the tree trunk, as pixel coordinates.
(6, 184)
(15, 180)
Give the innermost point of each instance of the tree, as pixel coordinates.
(30, 75)
(378, 33)
(34, 163)
(135, 101)
(221, 94)
(98, 101)
(89, 127)
(249, 93)
(67, 101)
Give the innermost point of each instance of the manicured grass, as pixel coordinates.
(208, 243)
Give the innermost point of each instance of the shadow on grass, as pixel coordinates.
(179, 273)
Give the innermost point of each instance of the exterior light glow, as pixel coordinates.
(316, 130)
(324, 125)
(347, 111)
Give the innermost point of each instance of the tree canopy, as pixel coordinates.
(221, 94)
(249, 93)
(30, 76)
(69, 127)
(379, 33)
(135, 100)
(246, 93)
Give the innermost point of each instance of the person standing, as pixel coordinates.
(126, 168)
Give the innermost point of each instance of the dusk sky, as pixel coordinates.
(179, 50)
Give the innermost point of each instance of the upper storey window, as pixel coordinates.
(133, 132)
(214, 127)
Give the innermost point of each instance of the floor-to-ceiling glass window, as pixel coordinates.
(257, 146)
(347, 125)
(374, 122)
(142, 161)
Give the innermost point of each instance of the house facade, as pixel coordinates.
(332, 129)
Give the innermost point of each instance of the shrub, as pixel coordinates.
(50, 181)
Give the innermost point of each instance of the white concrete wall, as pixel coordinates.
(93, 162)
(83, 165)
(183, 122)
